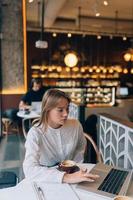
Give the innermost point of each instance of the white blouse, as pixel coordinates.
(46, 148)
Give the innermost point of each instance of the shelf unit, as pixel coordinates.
(92, 96)
(100, 96)
(90, 86)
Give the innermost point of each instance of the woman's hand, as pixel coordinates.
(79, 176)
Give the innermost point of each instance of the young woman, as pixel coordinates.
(54, 139)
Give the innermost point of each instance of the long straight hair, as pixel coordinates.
(50, 100)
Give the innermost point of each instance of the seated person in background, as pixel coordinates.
(34, 94)
(52, 139)
(12, 115)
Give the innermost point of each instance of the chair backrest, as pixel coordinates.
(89, 138)
(73, 111)
(27, 123)
(36, 120)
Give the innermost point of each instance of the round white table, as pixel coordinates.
(27, 117)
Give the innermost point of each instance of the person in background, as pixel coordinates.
(35, 93)
(52, 139)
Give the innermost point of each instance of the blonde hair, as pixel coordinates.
(50, 100)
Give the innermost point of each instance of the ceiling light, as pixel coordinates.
(97, 14)
(105, 3)
(41, 44)
(54, 34)
(30, 1)
(99, 37)
(69, 35)
(124, 38)
(71, 59)
(128, 56)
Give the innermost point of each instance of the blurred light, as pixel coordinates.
(127, 57)
(105, 3)
(90, 70)
(104, 70)
(30, 1)
(71, 59)
(54, 34)
(67, 69)
(124, 38)
(82, 69)
(97, 14)
(69, 35)
(99, 37)
(75, 69)
(35, 67)
(132, 71)
(97, 70)
(59, 69)
(111, 70)
(125, 71)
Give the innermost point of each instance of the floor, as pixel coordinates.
(12, 153)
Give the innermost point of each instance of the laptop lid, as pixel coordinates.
(36, 106)
(106, 185)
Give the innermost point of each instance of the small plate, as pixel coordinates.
(68, 170)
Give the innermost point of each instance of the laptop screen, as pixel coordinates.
(122, 91)
(36, 106)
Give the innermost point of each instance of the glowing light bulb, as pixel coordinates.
(71, 60)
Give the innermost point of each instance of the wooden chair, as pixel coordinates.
(9, 126)
(89, 138)
(27, 123)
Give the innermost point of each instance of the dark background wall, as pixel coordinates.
(90, 50)
(10, 101)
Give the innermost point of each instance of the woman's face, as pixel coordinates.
(58, 115)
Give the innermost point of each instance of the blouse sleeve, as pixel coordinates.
(81, 144)
(31, 165)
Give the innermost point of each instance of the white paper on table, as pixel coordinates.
(29, 190)
(22, 191)
(85, 195)
(55, 191)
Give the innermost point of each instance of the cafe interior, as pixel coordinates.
(83, 47)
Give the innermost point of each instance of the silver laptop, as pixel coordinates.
(36, 106)
(113, 181)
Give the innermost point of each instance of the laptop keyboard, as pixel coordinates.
(113, 181)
